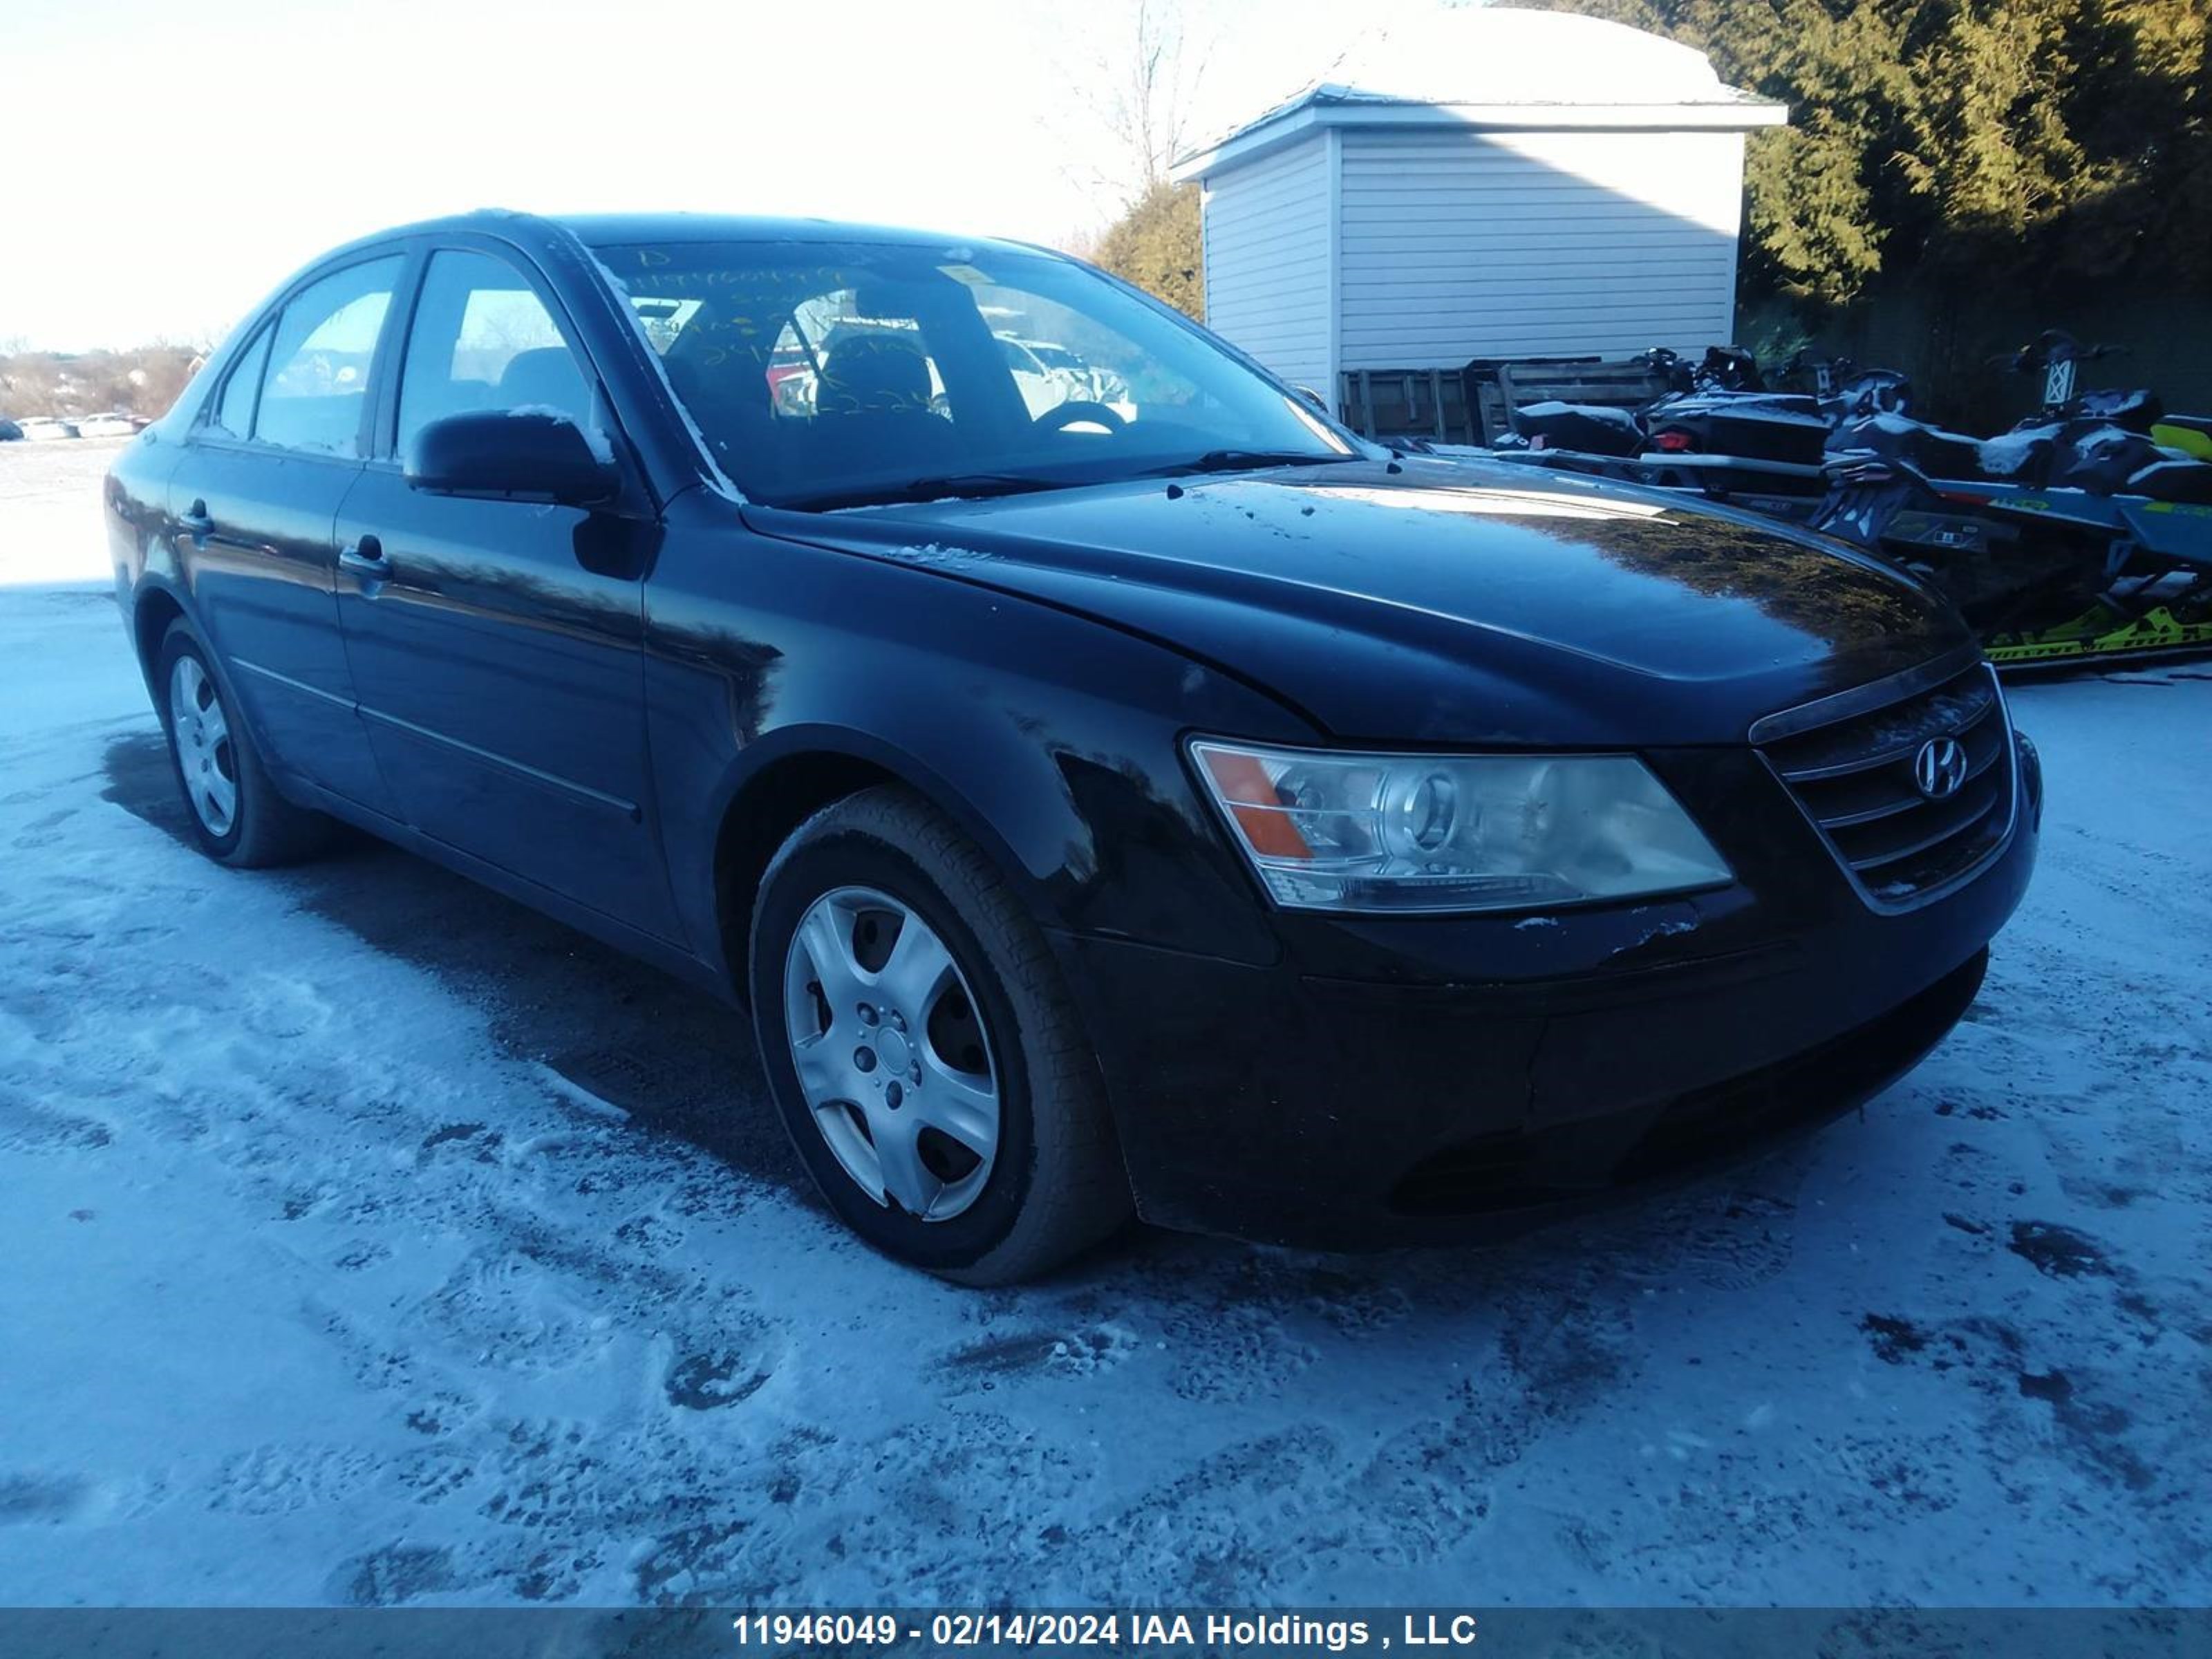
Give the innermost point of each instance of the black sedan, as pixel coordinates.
(1163, 801)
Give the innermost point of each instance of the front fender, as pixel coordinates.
(1053, 740)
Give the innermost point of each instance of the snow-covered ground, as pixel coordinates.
(364, 1238)
(50, 510)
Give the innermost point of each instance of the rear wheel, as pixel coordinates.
(236, 814)
(922, 1051)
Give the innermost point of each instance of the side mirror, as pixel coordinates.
(1316, 400)
(510, 454)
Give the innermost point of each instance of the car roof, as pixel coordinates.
(615, 229)
(602, 230)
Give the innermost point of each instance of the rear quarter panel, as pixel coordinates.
(135, 503)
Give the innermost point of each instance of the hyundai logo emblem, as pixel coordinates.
(1940, 768)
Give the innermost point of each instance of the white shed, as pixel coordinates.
(1481, 182)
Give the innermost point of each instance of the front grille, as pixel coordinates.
(1849, 762)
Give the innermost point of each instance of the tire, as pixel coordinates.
(1052, 1183)
(233, 811)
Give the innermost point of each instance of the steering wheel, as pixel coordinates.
(1082, 408)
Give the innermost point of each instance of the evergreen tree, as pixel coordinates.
(2028, 141)
(1157, 245)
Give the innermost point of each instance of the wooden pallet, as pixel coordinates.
(1476, 404)
(1408, 403)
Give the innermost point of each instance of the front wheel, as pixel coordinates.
(922, 1051)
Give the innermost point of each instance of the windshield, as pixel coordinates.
(831, 374)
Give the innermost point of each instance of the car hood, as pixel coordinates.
(1447, 601)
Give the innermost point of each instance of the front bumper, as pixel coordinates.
(1453, 1077)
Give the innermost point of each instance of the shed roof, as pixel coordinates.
(1497, 67)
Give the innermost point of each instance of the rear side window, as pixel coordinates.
(481, 339)
(234, 414)
(317, 387)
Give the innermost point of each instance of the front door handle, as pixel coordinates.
(365, 558)
(194, 521)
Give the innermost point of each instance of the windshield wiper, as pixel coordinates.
(1246, 460)
(977, 486)
(971, 486)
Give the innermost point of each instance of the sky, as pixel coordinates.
(171, 161)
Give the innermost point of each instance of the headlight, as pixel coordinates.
(1332, 831)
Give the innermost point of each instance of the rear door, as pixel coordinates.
(253, 502)
(497, 646)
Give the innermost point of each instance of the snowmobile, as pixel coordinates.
(2062, 544)
(1731, 412)
(1662, 443)
(1720, 431)
(2104, 474)
(2083, 534)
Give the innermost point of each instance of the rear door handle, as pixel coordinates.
(365, 558)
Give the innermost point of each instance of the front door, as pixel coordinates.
(254, 501)
(498, 646)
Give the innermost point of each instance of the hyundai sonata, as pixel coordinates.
(1170, 803)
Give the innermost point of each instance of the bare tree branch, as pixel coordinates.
(1136, 89)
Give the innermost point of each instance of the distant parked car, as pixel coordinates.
(45, 428)
(1083, 380)
(791, 385)
(111, 425)
(1042, 390)
(10, 432)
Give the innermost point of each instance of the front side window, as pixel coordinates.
(316, 391)
(481, 339)
(829, 374)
